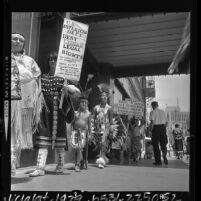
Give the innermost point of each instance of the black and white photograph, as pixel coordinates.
(100, 102)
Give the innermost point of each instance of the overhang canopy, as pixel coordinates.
(137, 45)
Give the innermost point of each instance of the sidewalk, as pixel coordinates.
(139, 177)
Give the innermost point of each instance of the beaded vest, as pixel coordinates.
(51, 87)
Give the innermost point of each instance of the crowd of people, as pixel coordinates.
(41, 105)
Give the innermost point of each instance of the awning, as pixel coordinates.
(136, 45)
(181, 52)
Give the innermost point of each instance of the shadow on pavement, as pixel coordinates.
(17, 180)
(48, 172)
(29, 171)
(94, 165)
(178, 164)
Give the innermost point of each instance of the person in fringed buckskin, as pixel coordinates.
(103, 120)
(81, 130)
(56, 111)
(25, 99)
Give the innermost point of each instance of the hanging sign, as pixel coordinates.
(71, 50)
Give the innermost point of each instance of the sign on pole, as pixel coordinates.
(71, 50)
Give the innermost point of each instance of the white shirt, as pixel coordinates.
(158, 116)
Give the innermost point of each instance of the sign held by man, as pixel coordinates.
(130, 107)
(71, 50)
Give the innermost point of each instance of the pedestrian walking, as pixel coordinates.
(159, 137)
(178, 141)
(187, 142)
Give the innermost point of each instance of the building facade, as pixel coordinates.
(176, 116)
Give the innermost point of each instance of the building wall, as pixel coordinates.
(28, 24)
(117, 95)
(181, 118)
(50, 33)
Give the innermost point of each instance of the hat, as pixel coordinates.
(85, 94)
(154, 104)
(104, 88)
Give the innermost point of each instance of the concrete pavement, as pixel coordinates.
(137, 177)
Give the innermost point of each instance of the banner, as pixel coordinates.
(71, 50)
(130, 107)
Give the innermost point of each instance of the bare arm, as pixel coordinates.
(110, 116)
(93, 114)
(151, 125)
(89, 124)
(151, 121)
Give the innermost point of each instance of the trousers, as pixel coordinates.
(159, 137)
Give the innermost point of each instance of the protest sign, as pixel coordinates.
(130, 107)
(71, 50)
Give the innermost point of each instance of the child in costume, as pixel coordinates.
(81, 129)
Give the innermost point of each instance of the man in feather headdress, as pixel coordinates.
(103, 120)
(81, 129)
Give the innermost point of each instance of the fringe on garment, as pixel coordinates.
(27, 139)
(25, 120)
(16, 124)
(38, 104)
(31, 118)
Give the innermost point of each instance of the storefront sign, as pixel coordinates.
(130, 107)
(150, 89)
(71, 50)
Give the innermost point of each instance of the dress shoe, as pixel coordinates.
(165, 161)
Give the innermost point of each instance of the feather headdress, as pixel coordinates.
(105, 88)
(85, 94)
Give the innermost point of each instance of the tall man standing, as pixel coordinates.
(158, 129)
